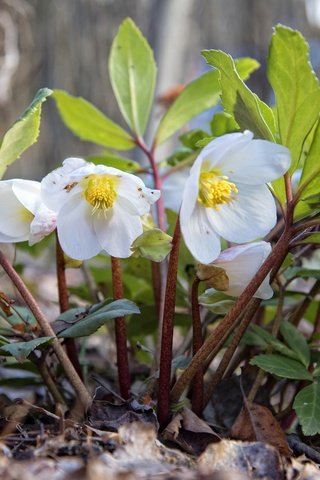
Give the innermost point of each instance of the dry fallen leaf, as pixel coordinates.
(254, 460)
(190, 432)
(108, 416)
(256, 422)
(140, 455)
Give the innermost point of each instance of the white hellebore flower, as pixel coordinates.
(99, 208)
(226, 193)
(172, 188)
(23, 216)
(233, 270)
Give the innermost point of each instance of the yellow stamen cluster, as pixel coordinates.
(215, 189)
(100, 191)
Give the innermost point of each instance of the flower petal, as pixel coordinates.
(241, 264)
(53, 186)
(199, 235)
(172, 189)
(133, 196)
(42, 225)
(255, 161)
(28, 193)
(15, 219)
(197, 231)
(252, 214)
(218, 150)
(75, 229)
(117, 231)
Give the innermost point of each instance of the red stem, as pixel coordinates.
(279, 252)
(120, 332)
(64, 305)
(197, 385)
(167, 331)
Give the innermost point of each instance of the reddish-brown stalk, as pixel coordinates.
(225, 361)
(120, 332)
(167, 331)
(275, 258)
(279, 252)
(197, 384)
(159, 272)
(64, 305)
(149, 152)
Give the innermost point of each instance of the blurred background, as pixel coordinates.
(65, 44)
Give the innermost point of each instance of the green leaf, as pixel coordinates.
(313, 201)
(88, 123)
(23, 133)
(238, 100)
(73, 314)
(253, 339)
(274, 342)
(200, 95)
(183, 157)
(4, 340)
(281, 366)
(313, 238)
(21, 350)
(296, 341)
(307, 406)
(192, 137)
(94, 321)
(153, 244)
(310, 175)
(216, 302)
(296, 89)
(316, 371)
(21, 319)
(146, 324)
(302, 272)
(132, 72)
(111, 160)
(222, 123)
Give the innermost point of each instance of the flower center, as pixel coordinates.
(215, 189)
(100, 191)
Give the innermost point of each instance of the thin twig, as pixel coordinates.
(47, 378)
(75, 380)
